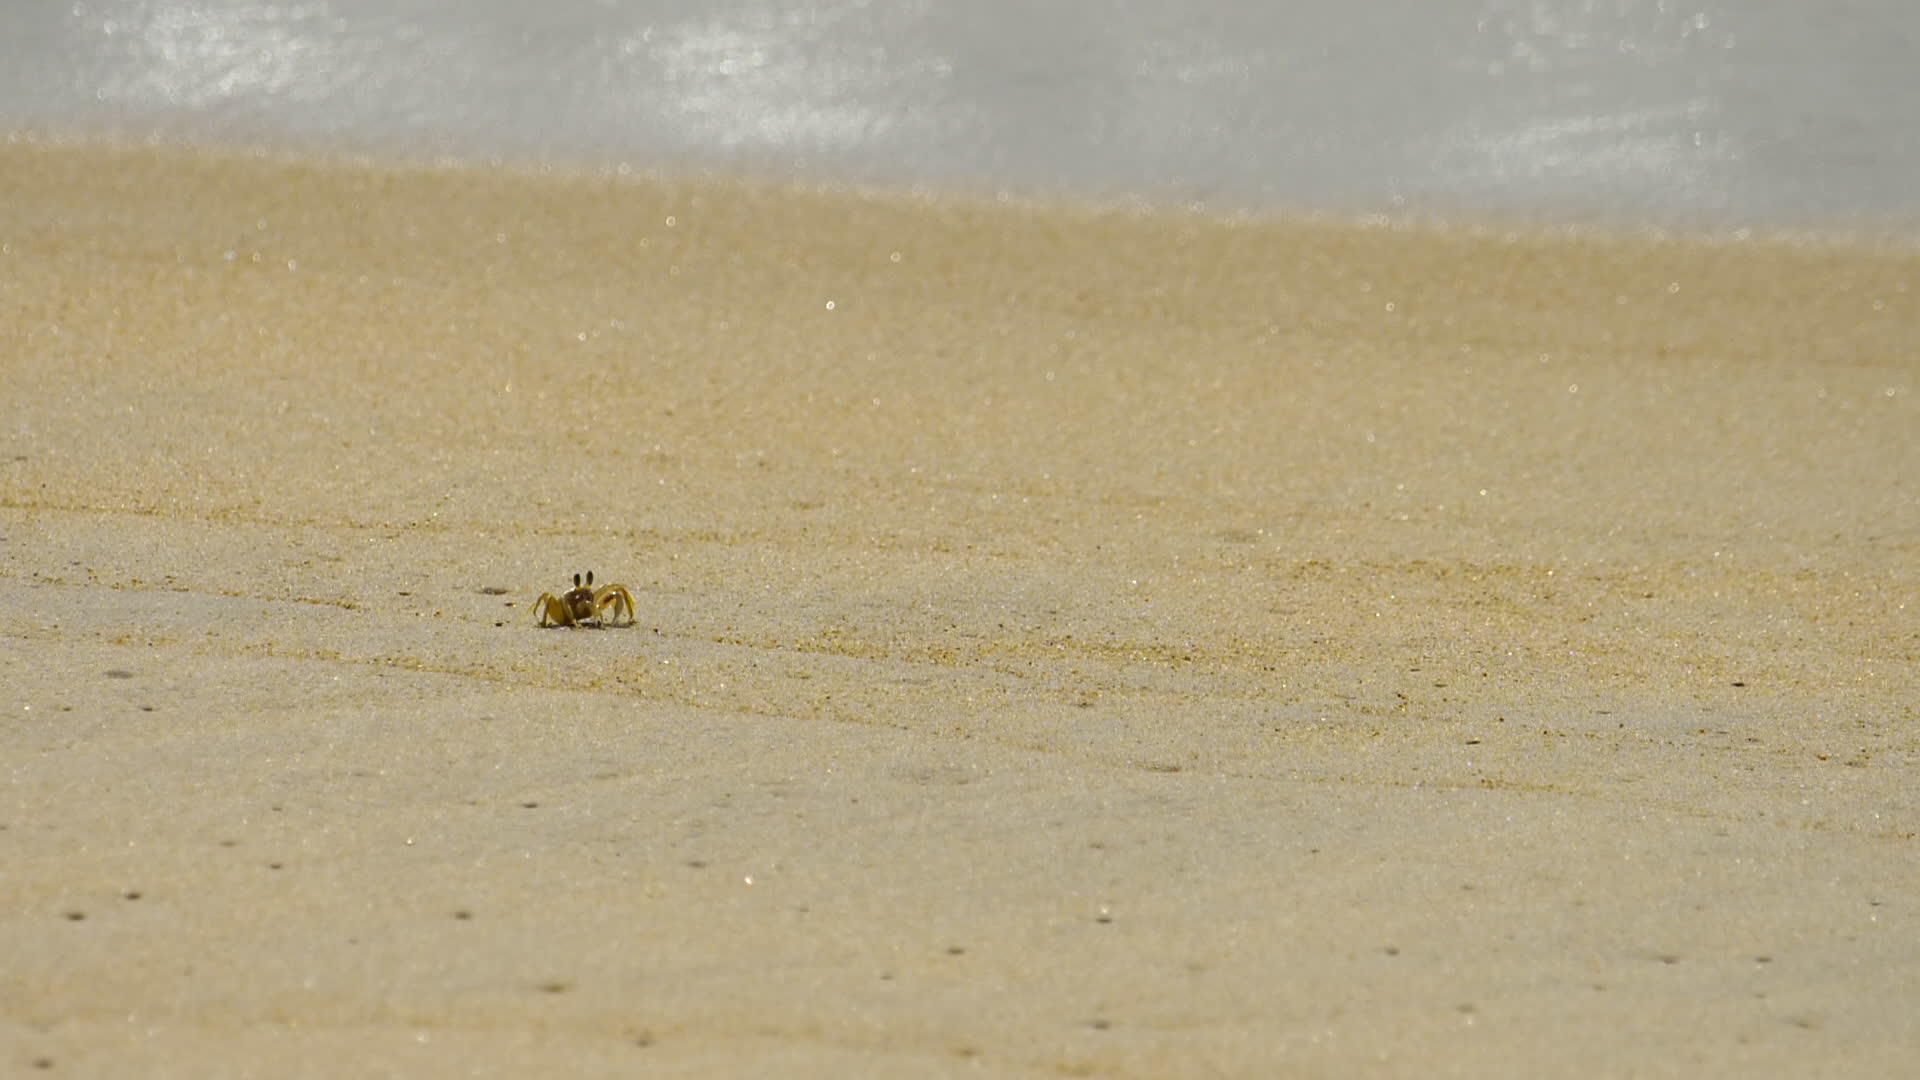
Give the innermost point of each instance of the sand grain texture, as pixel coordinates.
(1070, 643)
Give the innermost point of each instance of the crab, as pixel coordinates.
(583, 605)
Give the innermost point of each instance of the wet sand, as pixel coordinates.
(1070, 642)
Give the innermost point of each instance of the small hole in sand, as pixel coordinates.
(76, 916)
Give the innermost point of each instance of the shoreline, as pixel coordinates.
(1859, 234)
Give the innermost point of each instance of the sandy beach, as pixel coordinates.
(1069, 641)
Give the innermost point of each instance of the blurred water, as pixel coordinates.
(1690, 112)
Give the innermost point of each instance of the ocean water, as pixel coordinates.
(1689, 113)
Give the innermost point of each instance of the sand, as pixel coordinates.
(1070, 642)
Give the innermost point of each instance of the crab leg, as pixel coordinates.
(615, 599)
(552, 612)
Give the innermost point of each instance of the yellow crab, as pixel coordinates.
(583, 605)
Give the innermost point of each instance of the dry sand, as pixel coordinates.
(1070, 643)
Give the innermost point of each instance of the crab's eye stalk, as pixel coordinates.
(589, 578)
(576, 581)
